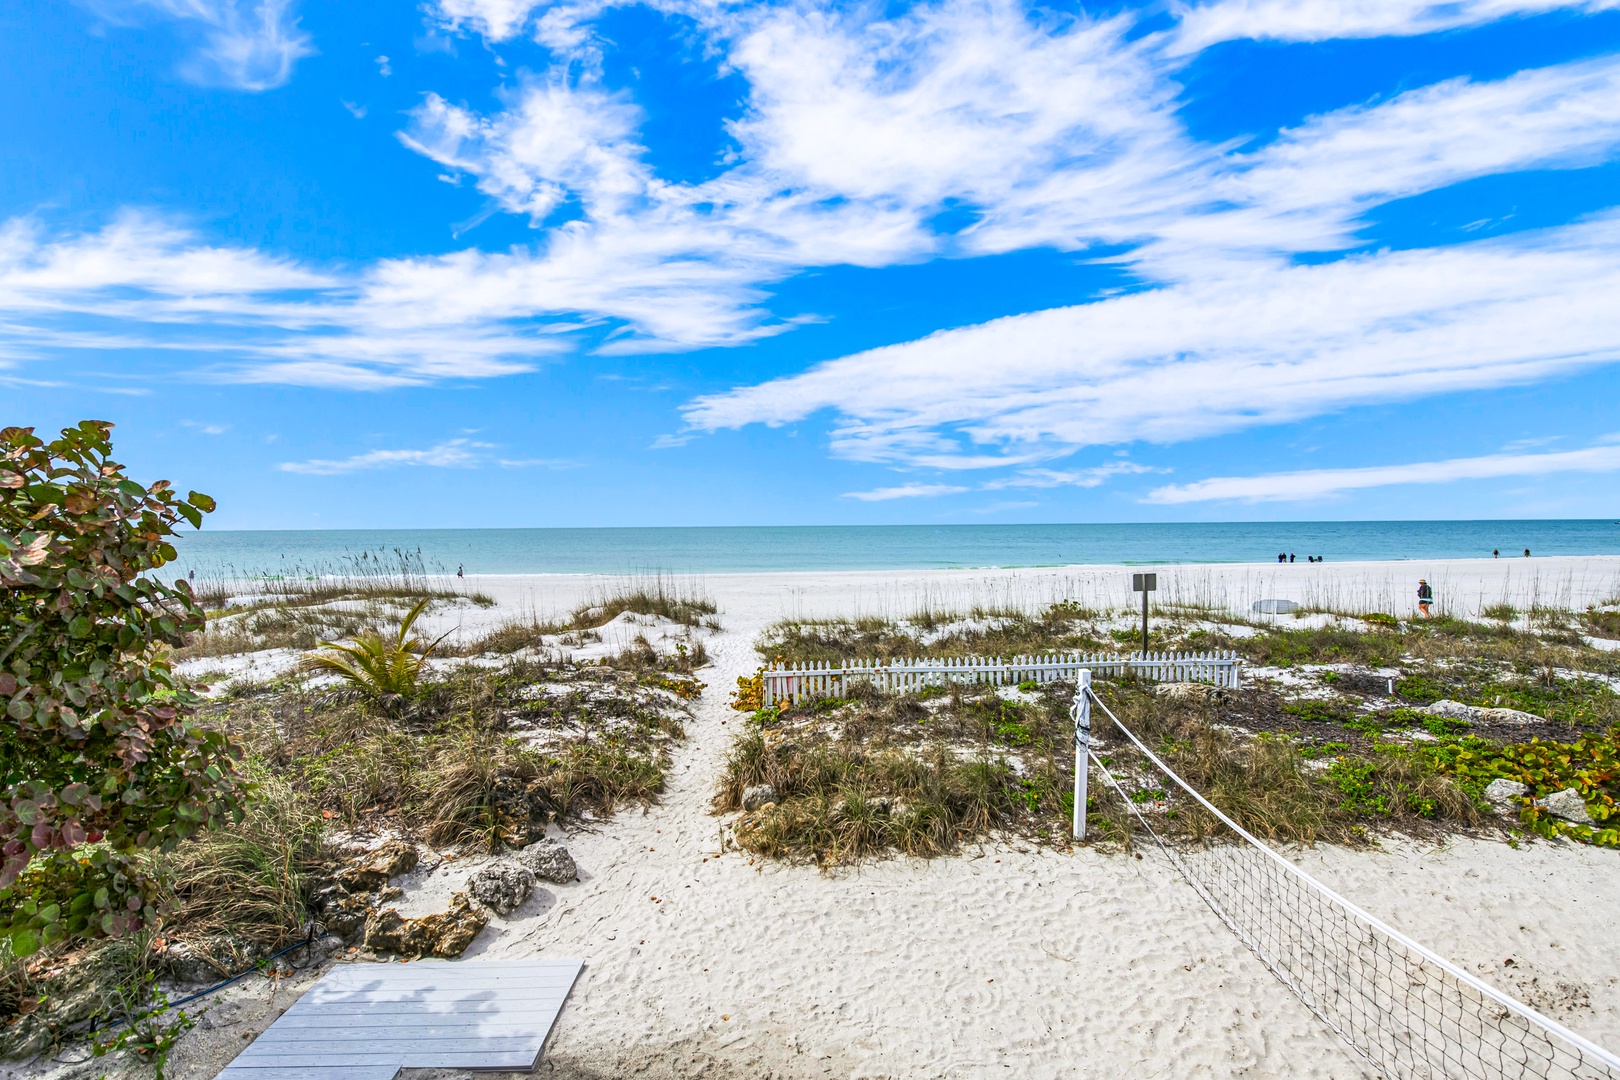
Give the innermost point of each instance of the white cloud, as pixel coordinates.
(1052, 132)
(1202, 25)
(246, 44)
(905, 491)
(1320, 483)
(452, 454)
(495, 20)
(554, 138)
(859, 129)
(206, 429)
(1267, 345)
(1082, 478)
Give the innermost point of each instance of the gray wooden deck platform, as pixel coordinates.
(368, 1021)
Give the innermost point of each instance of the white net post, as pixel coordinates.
(1081, 712)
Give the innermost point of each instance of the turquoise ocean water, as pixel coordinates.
(876, 547)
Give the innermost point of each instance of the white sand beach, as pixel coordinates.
(1006, 960)
(1461, 587)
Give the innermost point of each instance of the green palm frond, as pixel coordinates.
(376, 666)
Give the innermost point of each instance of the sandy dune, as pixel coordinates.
(1006, 961)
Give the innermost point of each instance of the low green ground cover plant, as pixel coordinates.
(1590, 765)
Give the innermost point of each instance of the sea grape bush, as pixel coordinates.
(1590, 765)
(98, 757)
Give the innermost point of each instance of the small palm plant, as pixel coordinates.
(382, 669)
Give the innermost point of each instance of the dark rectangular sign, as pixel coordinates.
(1144, 583)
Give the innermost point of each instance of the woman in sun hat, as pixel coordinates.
(1425, 596)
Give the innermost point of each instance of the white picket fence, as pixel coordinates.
(820, 679)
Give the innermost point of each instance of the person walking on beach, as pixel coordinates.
(1425, 597)
(1290, 556)
(459, 573)
(1496, 553)
(1527, 553)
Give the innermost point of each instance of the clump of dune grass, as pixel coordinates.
(479, 756)
(1262, 781)
(933, 632)
(838, 803)
(679, 602)
(915, 774)
(667, 598)
(244, 888)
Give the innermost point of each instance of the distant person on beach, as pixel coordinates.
(1527, 553)
(1281, 557)
(1425, 597)
(459, 573)
(1496, 553)
(1290, 556)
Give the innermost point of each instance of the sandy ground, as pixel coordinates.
(1006, 961)
(1461, 587)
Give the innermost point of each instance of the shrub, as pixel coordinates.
(99, 760)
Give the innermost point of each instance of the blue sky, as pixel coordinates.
(494, 263)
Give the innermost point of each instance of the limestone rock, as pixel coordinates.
(1509, 717)
(211, 958)
(1190, 693)
(1567, 804)
(26, 1038)
(1454, 710)
(755, 797)
(81, 1002)
(342, 914)
(446, 934)
(549, 861)
(1505, 794)
(373, 869)
(501, 886)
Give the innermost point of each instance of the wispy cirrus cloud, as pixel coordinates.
(1199, 26)
(1309, 484)
(451, 454)
(1095, 476)
(250, 45)
(906, 491)
(862, 126)
(1216, 355)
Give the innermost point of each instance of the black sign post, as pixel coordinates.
(1144, 584)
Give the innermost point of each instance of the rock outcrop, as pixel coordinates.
(445, 934)
(1506, 795)
(757, 796)
(1567, 804)
(1190, 693)
(549, 861)
(1474, 714)
(373, 869)
(501, 886)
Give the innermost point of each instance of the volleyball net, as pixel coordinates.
(1402, 1008)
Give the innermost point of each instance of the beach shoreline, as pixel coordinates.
(1462, 587)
